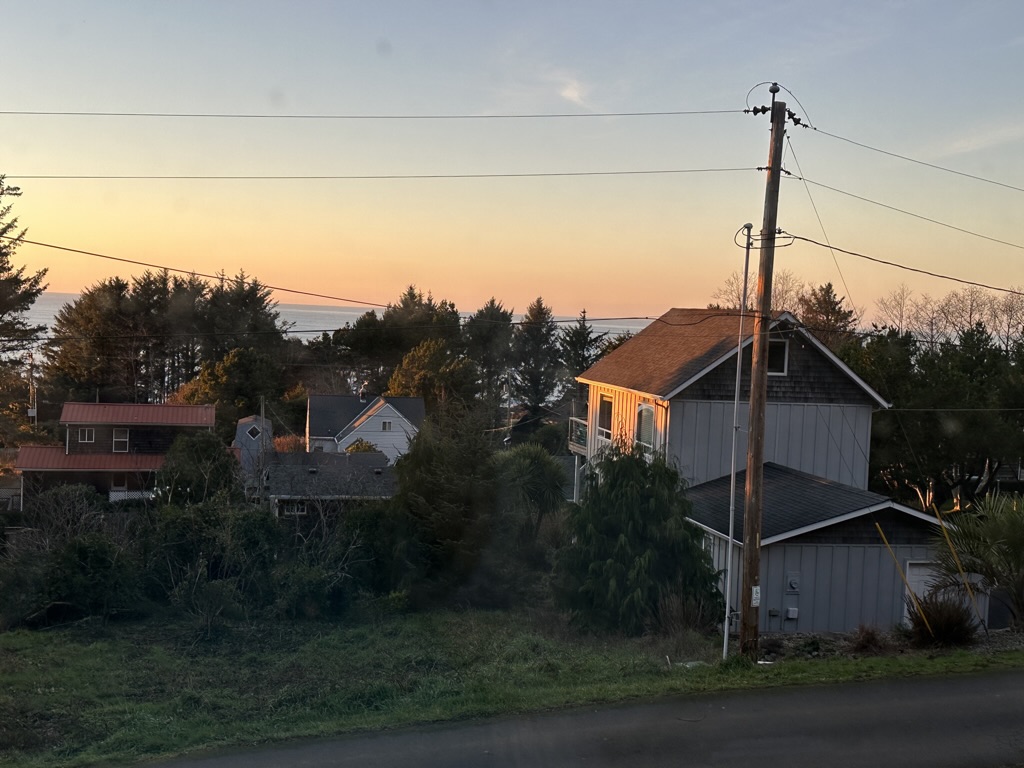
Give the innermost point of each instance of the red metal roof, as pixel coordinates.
(51, 458)
(133, 414)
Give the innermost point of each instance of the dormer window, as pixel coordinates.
(778, 357)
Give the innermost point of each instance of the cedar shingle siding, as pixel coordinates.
(811, 378)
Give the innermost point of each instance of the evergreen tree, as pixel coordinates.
(580, 347)
(632, 548)
(431, 371)
(535, 357)
(142, 341)
(18, 290)
(487, 336)
(827, 316)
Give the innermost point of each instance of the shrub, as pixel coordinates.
(93, 575)
(945, 619)
(632, 547)
(867, 639)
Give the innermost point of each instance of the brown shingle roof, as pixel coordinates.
(130, 413)
(670, 351)
(52, 458)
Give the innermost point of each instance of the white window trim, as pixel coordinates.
(123, 440)
(641, 407)
(785, 357)
(385, 425)
(86, 435)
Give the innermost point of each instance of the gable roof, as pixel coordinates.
(52, 458)
(683, 345)
(794, 503)
(162, 415)
(329, 415)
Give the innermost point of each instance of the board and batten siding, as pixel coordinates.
(824, 439)
(624, 412)
(839, 586)
(393, 442)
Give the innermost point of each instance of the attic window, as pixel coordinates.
(778, 357)
(253, 432)
(385, 426)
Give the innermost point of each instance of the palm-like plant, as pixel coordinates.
(989, 542)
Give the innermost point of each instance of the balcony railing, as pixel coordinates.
(131, 495)
(578, 435)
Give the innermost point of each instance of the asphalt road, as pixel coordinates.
(972, 721)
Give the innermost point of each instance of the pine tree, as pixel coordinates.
(535, 357)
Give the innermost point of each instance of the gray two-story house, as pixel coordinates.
(826, 566)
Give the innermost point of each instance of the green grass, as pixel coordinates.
(90, 693)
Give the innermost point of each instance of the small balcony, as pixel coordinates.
(578, 435)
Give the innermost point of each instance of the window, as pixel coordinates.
(253, 432)
(385, 426)
(645, 426)
(120, 440)
(778, 357)
(86, 435)
(291, 508)
(604, 418)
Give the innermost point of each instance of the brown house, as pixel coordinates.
(115, 447)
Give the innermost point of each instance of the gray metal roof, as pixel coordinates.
(793, 501)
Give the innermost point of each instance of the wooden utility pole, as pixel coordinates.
(750, 598)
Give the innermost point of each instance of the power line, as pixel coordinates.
(918, 162)
(365, 177)
(905, 267)
(817, 215)
(909, 213)
(191, 272)
(326, 116)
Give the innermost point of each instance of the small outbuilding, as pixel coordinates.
(824, 565)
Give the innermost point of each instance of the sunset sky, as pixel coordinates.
(937, 81)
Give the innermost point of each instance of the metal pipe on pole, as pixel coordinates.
(735, 432)
(754, 492)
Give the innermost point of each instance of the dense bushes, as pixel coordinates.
(942, 617)
(633, 554)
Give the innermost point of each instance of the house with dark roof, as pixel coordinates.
(335, 422)
(671, 388)
(829, 551)
(301, 483)
(115, 447)
(825, 564)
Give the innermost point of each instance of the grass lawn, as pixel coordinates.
(124, 692)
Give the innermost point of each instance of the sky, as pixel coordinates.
(936, 81)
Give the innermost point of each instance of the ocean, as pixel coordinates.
(306, 320)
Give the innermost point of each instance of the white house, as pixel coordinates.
(335, 422)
